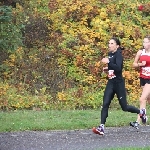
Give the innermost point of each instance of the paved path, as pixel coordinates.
(76, 139)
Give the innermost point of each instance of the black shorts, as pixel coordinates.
(144, 81)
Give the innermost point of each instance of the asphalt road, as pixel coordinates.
(75, 139)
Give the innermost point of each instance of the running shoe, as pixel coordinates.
(134, 124)
(143, 116)
(98, 130)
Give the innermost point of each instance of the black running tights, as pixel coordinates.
(117, 88)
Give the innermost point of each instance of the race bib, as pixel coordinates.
(146, 71)
(111, 74)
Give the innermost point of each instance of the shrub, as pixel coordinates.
(11, 37)
(66, 58)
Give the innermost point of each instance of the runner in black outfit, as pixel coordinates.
(115, 85)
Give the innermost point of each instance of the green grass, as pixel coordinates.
(129, 148)
(64, 120)
(61, 120)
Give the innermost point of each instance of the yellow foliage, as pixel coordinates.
(90, 79)
(61, 96)
(82, 29)
(103, 14)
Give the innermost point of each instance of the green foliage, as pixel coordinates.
(10, 35)
(81, 98)
(6, 14)
(63, 43)
(15, 97)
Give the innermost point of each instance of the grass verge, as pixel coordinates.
(61, 120)
(129, 148)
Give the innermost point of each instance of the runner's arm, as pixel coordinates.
(118, 65)
(136, 59)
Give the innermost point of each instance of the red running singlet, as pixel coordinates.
(145, 70)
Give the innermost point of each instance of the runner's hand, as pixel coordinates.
(143, 63)
(105, 60)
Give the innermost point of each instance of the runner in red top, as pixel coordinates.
(142, 60)
(145, 70)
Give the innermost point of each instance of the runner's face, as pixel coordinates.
(112, 45)
(146, 43)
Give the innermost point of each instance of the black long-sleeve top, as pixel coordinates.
(116, 64)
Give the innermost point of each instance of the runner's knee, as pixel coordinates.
(142, 100)
(124, 108)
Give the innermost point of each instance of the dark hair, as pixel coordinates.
(117, 42)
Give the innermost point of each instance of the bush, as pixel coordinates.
(11, 37)
(64, 43)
